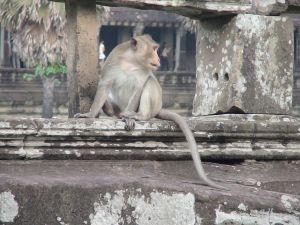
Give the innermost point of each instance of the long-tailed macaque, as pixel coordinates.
(129, 90)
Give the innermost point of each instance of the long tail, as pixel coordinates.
(167, 115)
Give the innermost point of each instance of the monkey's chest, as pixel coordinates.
(121, 92)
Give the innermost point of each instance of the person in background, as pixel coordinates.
(163, 55)
(101, 52)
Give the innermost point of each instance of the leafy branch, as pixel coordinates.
(47, 71)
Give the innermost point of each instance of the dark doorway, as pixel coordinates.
(154, 32)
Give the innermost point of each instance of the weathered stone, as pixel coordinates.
(207, 8)
(244, 63)
(267, 7)
(147, 193)
(223, 137)
(294, 2)
(82, 58)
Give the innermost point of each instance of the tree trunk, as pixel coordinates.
(48, 94)
(6, 78)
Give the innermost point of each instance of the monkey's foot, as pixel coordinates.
(129, 123)
(129, 118)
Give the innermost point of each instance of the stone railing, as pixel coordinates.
(203, 9)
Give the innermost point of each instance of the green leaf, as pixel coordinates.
(52, 69)
(28, 76)
(40, 70)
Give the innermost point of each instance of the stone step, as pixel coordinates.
(77, 192)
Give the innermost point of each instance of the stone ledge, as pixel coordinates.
(147, 192)
(207, 8)
(219, 137)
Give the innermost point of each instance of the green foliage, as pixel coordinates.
(51, 69)
(47, 71)
(28, 76)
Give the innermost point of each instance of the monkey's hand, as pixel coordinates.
(128, 118)
(83, 115)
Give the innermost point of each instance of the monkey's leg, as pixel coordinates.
(132, 107)
(130, 110)
(99, 100)
(137, 116)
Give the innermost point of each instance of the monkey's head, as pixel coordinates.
(145, 52)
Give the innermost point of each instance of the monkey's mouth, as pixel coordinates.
(155, 66)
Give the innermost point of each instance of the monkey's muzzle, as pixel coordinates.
(155, 66)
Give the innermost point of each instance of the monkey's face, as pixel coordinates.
(154, 62)
(145, 49)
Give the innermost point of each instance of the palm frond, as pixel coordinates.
(59, 7)
(38, 28)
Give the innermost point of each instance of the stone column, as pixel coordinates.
(82, 56)
(138, 29)
(244, 64)
(1, 43)
(178, 48)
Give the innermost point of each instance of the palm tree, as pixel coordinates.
(38, 30)
(39, 37)
(37, 27)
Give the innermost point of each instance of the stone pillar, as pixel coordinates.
(138, 29)
(82, 57)
(1, 43)
(178, 48)
(244, 64)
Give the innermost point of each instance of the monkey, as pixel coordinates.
(129, 90)
(123, 75)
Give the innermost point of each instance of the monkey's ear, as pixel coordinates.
(133, 43)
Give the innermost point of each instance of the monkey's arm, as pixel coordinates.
(131, 109)
(99, 100)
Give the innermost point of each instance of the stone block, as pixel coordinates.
(244, 63)
(79, 192)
